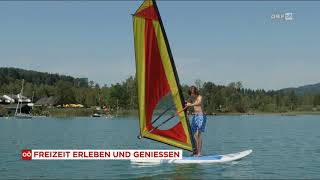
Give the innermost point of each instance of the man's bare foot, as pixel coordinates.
(193, 153)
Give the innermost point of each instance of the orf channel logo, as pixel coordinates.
(26, 154)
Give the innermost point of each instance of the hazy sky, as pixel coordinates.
(213, 41)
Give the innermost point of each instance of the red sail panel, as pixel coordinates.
(157, 84)
(148, 13)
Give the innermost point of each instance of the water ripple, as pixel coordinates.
(284, 147)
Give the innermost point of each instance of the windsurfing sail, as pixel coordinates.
(157, 77)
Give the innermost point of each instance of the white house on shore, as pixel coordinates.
(9, 99)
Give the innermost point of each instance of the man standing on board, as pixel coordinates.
(199, 118)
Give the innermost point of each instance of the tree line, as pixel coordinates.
(217, 98)
(235, 98)
(9, 75)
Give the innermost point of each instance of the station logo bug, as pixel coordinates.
(26, 154)
(286, 16)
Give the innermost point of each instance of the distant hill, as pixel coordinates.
(10, 74)
(312, 88)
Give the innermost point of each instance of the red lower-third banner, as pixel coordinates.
(76, 154)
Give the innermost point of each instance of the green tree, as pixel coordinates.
(118, 96)
(65, 92)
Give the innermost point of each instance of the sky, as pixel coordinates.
(215, 41)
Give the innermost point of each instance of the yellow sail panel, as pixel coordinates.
(144, 5)
(138, 27)
(157, 77)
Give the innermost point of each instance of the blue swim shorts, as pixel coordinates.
(198, 122)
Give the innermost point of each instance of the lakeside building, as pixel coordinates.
(47, 101)
(9, 99)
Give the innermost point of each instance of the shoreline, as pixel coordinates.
(60, 113)
(293, 113)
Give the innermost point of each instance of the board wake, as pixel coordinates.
(199, 160)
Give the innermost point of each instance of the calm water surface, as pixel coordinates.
(284, 147)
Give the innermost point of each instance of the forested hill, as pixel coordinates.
(312, 88)
(67, 89)
(217, 98)
(9, 75)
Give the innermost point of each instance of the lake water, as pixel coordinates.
(283, 147)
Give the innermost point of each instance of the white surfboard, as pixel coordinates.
(198, 160)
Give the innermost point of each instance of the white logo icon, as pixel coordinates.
(28, 154)
(288, 16)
